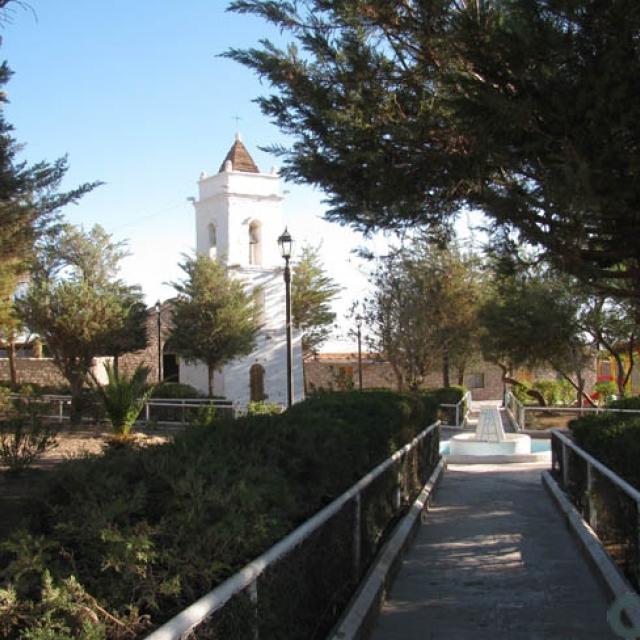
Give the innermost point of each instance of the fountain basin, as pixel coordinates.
(467, 444)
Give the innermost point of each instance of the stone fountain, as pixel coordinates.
(489, 442)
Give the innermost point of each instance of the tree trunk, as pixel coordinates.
(446, 381)
(116, 364)
(461, 369)
(13, 371)
(210, 379)
(76, 382)
(534, 393)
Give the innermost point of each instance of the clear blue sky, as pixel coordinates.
(135, 94)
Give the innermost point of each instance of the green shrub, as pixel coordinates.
(614, 439)
(123, 397)
(145, 532)
(606, 389)
(175, 390)
(24, 437)
(631, 403)
(263, 408)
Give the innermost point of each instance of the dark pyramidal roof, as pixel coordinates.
(240, 158)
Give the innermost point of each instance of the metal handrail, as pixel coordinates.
(176, 403)
(466, 397)
(632, 492)
(186, 620)
(521, 410)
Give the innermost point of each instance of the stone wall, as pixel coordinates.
(41, 371)
(340, 371)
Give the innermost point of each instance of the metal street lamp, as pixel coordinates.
(159, 321)
(359, 326)
(285, 242)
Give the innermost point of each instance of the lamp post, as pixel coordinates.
(158, 320)
(359, 326)
(285, 242)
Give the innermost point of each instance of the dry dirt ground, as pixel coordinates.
(73, 442)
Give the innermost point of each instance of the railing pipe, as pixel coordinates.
(203, 608)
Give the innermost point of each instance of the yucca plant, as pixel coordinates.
(124, 396)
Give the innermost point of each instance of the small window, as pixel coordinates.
(475, 381)
(213, 240)
(255, 241)
(256, 381)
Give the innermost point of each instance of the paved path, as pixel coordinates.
(494, 560)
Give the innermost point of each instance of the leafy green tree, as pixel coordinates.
(402, 112)
(614, 327)
(312, 291)
(214, 319)
(530, 322)
(77, 305)
(421, 310)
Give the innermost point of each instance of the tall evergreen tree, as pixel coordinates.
(214, 319)
(312, 291)
(78, 306)
(403, 111)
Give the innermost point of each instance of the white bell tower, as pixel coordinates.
(238, 221)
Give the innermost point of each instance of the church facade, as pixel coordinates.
(238, 215)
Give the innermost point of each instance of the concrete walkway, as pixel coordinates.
(494, 560)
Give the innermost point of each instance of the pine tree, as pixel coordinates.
(312, 291)
(403, 112)
(214, 319)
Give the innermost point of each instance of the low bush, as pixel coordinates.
(132, 537)
(175, 390)
(631, 403)
(24, 437)
(263, 408)
(614, 439)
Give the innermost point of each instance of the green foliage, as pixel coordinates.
(632, 403)
(24, 437)
(123, 397)
(214, 318)
(311, 294)
(263, 408)
(605, 390)
(614, 439)
(405, 112)
(555, 392)
(145, 532)
(175, 390)
(422, 310)
(77, 305)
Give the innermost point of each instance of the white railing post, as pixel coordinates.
(457, 414)
(593, 514)
(565, 466)
(146, 413)
(253, 597)
(357, 536)
(60, 411)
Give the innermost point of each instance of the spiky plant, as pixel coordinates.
(124, 396)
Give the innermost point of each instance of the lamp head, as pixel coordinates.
(285, 242)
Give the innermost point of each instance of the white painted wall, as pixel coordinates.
(232, 200)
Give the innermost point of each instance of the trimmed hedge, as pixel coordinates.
(612, 438)
(142, 533)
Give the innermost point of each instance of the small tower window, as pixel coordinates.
(255, 244)
(256, 381)
(213, 240)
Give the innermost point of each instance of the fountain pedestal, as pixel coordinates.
(490, 441)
